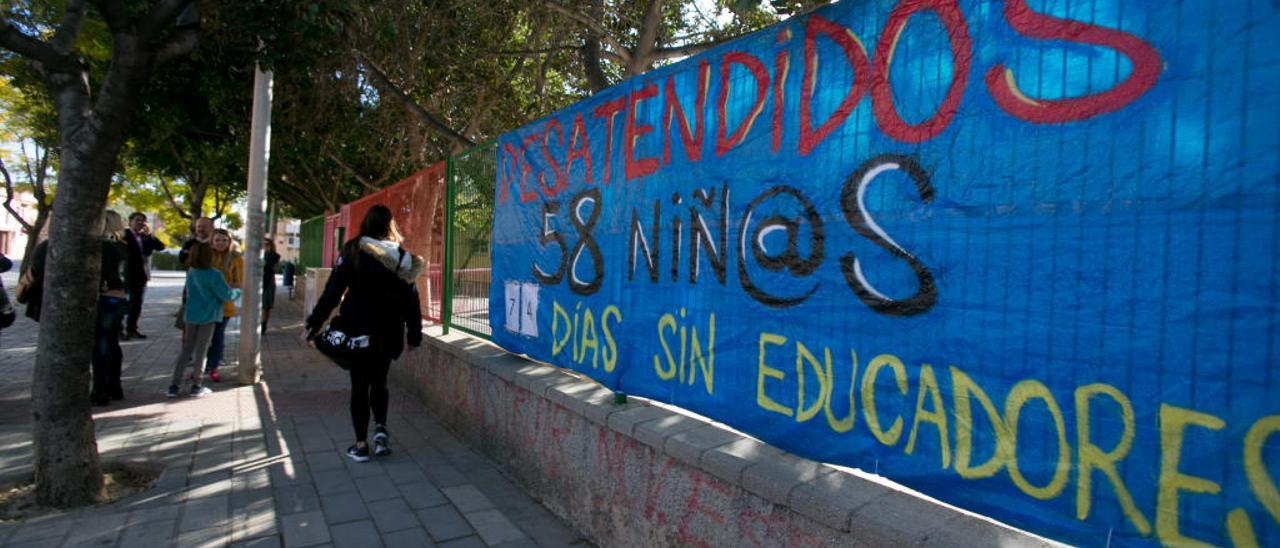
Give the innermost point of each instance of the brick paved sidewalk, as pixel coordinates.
(263, 465)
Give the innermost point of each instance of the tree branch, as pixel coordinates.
(217, 205)
(434, 123)
(360, 178)
(482, 112)
(612, 57)
(173, 201)
(590, 52)
(162, 15)
(8, 188)
(661, 54)
(307, 194)
(26, 160)
(182, 164)
(296, 197)
(332, 198)
(540, 84)
(69, 26)
(689, 37)
(649, 27)
(623, 54)
(18, 42)
(179, 44)
(531, 52)
(37, 179)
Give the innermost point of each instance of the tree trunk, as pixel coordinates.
(91, 134)
(590, 52)
(66, 451)
(195, 207)
(65, 446)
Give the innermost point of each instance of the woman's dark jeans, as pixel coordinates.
(217, 345)
(108, 359)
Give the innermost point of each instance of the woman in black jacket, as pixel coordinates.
(113, 302)
(378, 278)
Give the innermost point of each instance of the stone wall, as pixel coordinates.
(643, 474)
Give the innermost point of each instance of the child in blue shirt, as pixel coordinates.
(206, 291)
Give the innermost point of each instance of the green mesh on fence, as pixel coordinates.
(469, 223)
(312, 234)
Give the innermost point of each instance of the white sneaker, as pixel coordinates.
(381, 442)
(200, 391)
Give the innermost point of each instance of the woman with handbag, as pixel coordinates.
(378, 279)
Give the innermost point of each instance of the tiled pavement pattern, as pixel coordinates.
(264, 465)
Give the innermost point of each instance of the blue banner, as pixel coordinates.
(1020, 256)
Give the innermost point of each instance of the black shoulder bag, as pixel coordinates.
(344, 349)
(339, 343)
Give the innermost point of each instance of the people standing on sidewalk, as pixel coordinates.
(108, 358)
(377, 277)
(206, 291)
(140, 243)
(227, 260)
(269, 261)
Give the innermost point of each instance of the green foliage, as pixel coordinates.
(92, 45)
(138, 190)
(166, 261)
(193, 127)
(194, 120)
(481, 68)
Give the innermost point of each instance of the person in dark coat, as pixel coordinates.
(269, 261)
(140, 244)
(108, 358)
(378, 279)
(286, 272)
(35, 297)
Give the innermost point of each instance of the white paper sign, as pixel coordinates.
(529, 309)
(512, 302)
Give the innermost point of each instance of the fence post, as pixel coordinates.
(446, 277)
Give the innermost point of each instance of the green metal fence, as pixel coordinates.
(312, 234)
(468, 220)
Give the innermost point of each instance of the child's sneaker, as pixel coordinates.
(358, 454)
(214, 376)
(381, 441)
(198, 391)
(173, 391)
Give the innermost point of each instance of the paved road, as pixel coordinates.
(263, 465)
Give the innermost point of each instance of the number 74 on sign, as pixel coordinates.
(522, 308)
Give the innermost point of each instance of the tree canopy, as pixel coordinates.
(368, 93)
(410, 82)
